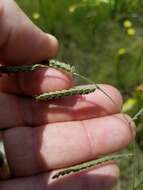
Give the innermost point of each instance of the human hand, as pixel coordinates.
(41, 138)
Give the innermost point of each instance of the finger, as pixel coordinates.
(17, 111)
(37, 82)
(101, 178)
(64, 144)
(21, 42)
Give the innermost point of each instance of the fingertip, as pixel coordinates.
(130, 123)
(52, 45)
(108, 97)
(118, 96)
(115, 95)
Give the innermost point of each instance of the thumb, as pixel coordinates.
(21, 42)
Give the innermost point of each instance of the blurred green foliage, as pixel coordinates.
(104, 40)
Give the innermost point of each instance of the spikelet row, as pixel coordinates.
(78, 90)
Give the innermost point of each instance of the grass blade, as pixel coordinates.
(138, 180)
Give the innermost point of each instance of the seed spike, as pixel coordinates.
(78, 90)
(62, 65)
(69, 68)
(90, 164)
(43, 64)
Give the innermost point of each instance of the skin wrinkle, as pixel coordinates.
(21, 112)
(18, 110)
(35, 150)
(88, 137)
(28, 112)
(28, 117)
(100, 141)
(19, 83)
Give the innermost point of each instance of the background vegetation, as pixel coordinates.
(104, 39)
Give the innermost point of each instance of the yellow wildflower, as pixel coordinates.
(127, 24)
(129, 104)
(36, 16)
(72, 8)
(121, 51)
(131, 31)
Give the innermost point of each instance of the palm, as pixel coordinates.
(43, 137)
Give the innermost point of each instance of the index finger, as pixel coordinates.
(21, 42)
